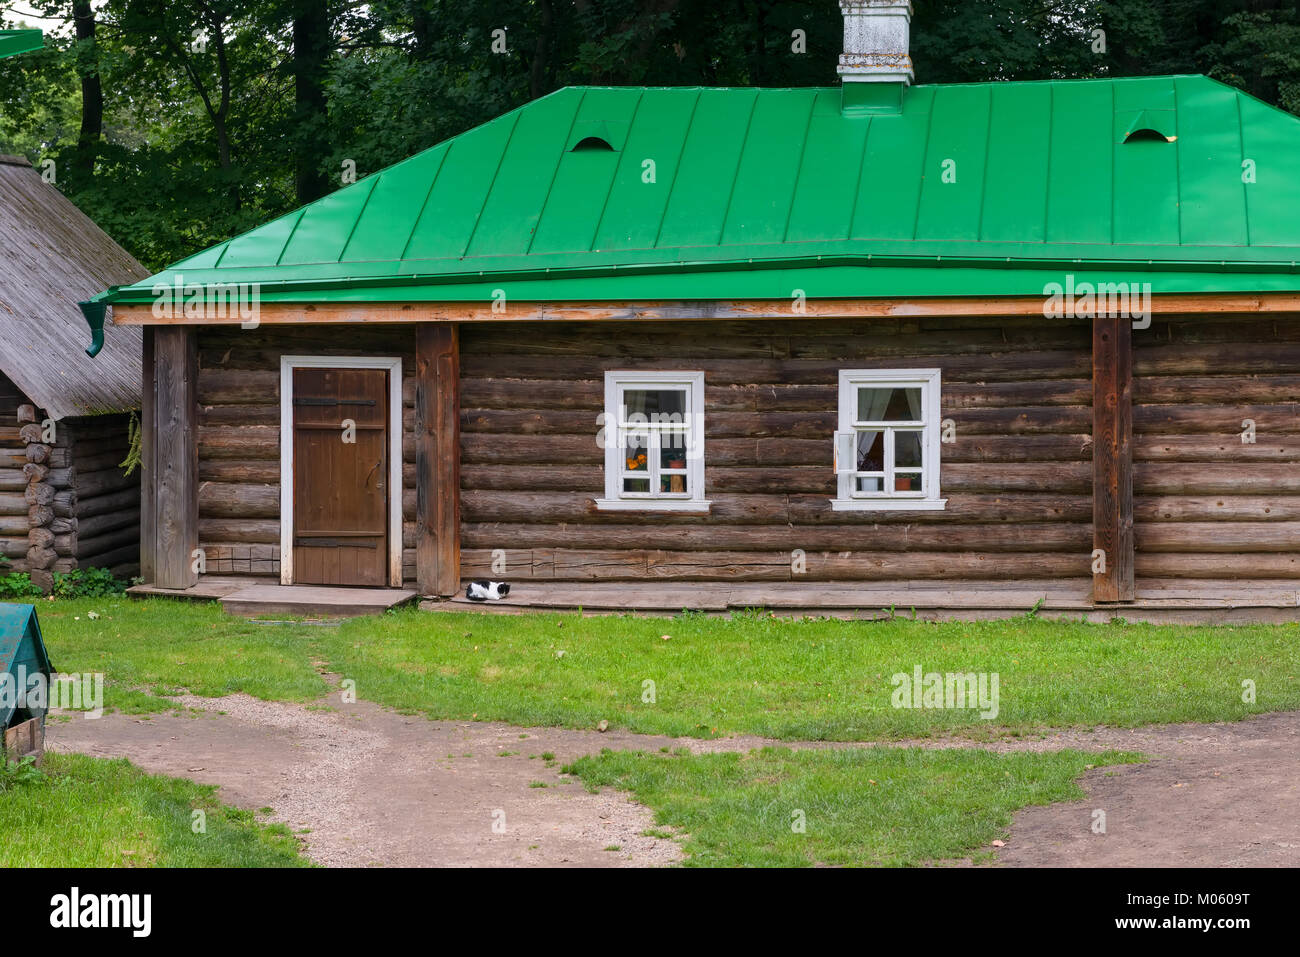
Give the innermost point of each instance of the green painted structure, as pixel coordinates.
(974, 190)
(22, 654)
(13, 42)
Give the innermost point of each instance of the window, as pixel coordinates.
(887, 444)
(653, 433)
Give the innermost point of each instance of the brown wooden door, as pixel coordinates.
(340, 476)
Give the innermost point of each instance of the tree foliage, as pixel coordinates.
(220, 114)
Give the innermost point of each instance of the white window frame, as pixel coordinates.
(394, 489)
(616, 500)
(849, 499)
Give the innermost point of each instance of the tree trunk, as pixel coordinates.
(311, 46)
(92, 94)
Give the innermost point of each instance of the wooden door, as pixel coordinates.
(340, 476)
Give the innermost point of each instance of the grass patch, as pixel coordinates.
(789, 679)
(859, 806)
(806, 680)
(155, 647)
(91, 812)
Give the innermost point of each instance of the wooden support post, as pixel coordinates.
(437, 457)
(1112, 459)
(170, 456)
(148, 513)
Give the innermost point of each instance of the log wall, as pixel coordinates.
(239, 436)
(64, 500)
(1017, 478)
(13, 483)
(1207, 504)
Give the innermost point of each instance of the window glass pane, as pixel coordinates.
(673, 457)
(635, 453)
(657, 405)
(907, 450)
(871, 452)
(870, 483)
(672, 483)
(636, 485)
(906, 483)
(889, 405)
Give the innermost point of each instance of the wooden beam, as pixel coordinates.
(173, 458)
(148, 467)
(1112, 460)
(282, 313)
(437, 458)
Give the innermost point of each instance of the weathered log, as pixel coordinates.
(221, 500)
(580, 565)
(39, 515)
(1007, 537)
(117, 559)
(40, 557)
(37, 473)
(1252, 478)
(107, 541)
(39, 494)
(26, 413)
(97, 524)
(128, 498)
(1267, 447)
(1251, 566)
(42, 579)
(90, 484)
(13, 525)
(241, 442)
(1220, 508)
(235, 472)
(31, 434)
(1208, 537)
(1220, 390)
(40, 537)
(40, 453)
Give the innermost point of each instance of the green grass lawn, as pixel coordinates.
(157, 647)
(809, 679)
(856, 806)
(90, 812)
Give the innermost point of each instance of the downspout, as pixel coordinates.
(94, 310)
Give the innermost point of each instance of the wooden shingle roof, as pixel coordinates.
(51, 257)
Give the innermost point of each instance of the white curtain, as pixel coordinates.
(875, 411)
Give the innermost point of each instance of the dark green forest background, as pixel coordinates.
(178, 123)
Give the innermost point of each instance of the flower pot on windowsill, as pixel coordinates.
(677, 463)
(902, 484)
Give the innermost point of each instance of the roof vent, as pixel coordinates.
(1151, 126)
(876, 63)
(593, 144)
(1156, 136)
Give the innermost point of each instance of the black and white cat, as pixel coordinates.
(485, 590)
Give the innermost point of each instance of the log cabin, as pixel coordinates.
(815, 348)
(65, 501)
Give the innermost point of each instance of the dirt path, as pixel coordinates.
(378, 788)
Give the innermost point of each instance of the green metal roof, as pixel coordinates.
(13, 42)
(755, 193)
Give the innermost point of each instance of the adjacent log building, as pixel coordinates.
(64, 419)
(986, 333)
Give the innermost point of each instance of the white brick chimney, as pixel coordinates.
(877, 39)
